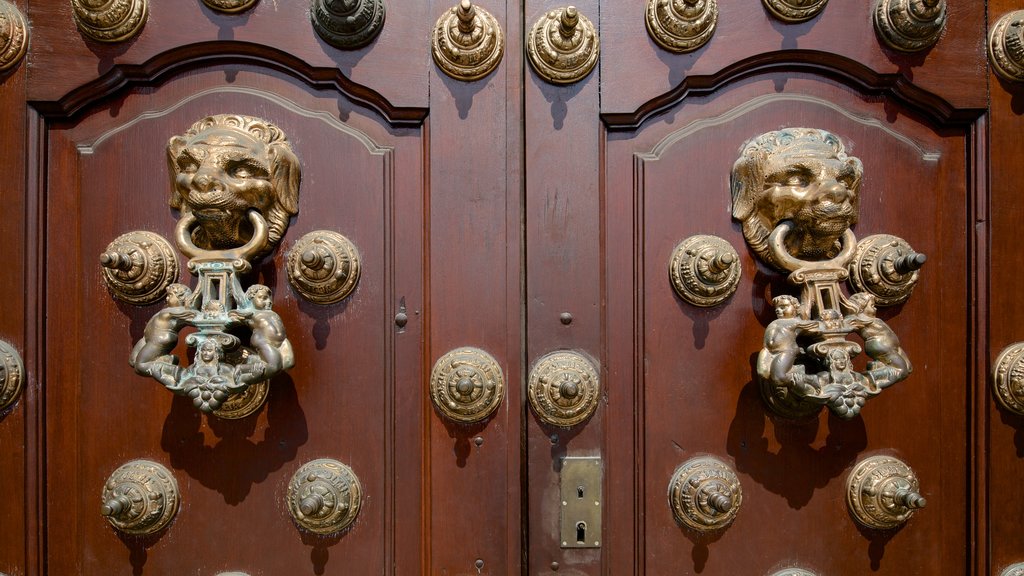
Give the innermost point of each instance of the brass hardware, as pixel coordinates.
(704, 270)
(110, 20)
(1015, 570)
(796, 192)
(230, 6)
(563, 46)
(323, 267)
(581, 491)
(886, 267)
(347, 24)
(324, 496)
(564, 388)
(13, 36)
(1008, 378)
(467, 43)
(704, 494)
(139, 266)
(795, 11)
(1006, 46)
(882, 492)
(249, 401)
(467, 385)
(12, 375)
(140, 498)
(793, 572)
(681, 25)
(910, 25)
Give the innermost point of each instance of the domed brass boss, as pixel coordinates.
(681, 25)
(467, 385)
(1006, 46)
(467, 43)
(110, 20)
(563, 46)
(13, 35)
(564, 388)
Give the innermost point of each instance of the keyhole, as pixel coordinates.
(581, 532)
(579, 491)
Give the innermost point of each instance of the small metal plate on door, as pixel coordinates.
(581, 502)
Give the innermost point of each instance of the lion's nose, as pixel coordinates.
(832, 190)
(204, 183)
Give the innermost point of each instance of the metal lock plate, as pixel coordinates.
(581, 502)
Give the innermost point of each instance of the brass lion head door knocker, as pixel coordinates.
(796, 193)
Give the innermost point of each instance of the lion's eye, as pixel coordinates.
(240, 172)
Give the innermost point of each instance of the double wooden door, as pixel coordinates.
(517, 217)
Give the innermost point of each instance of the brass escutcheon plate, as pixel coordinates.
(564, 388)
(467, 385)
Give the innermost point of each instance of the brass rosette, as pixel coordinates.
(793, 572)
(564, 388)
(563, 46)
(229, 6)
(12, 375)
(324, 496)
(468, 43)
(141, 497)
(13, 35)
(347, 24)
(138, 267)
(681, 25)
(323, 266)
(1014, 570)
(704, 494)
(910, 25)
(882, 492)
(704, 270)
(795, 11)
(467, 385)
(886, 267)
(110, 20)
(1006, 46)
(1008, 378)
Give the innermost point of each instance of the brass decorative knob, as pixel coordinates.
(467, 385)
(140, 498)
(139, 266)
(910, 25)
(12, 375)
(704, 270)
(110, 20)
(886, 267)
(13, 35)
(704, 494)
(564, 388)
(468, 43)
(563, 46)
(795, 11)
(681, 25)
(347, 24)
(793, 572)
(1006, 46)
(1014, 570)
(230, 6)
(882, 492)
(323, 266)
(1008, 378)
(324, 496)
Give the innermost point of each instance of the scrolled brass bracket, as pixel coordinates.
(110, 20)
(1008, 378)
(883, 492)
(467, 385)
(139, 266)
(910, 25)
(13, 36)
(563, 46)
(704, 494)
(1014, 570)
(467, 43)
(1006, 46)
(12, 375)
(347, 24)
(140, 498)
(324, 496)
(324, 267)
(681, 25)
(795, 11)
(886, 267)
(564, 388)
(704, 270)
(230, 6)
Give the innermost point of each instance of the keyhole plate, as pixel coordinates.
(581, 502)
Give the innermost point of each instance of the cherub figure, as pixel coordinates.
(777, 360)
(890, 363)
(152, 353)
(268, 336)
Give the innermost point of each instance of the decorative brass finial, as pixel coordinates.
(704, 494)
(681, 25)
(110, 20)
(704, 270)
(563, 46)
(468, 43)
(882, 492)
(910, 25)
(140, 498)
(324, 496)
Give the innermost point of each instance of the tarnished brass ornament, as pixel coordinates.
(12, 375)
(110, 20)
(141, 497)
(347, 24)
(795, 11)
(882, 492)
(886, 267)
(1014, 570)
(229, 6)
(910, 25)
(1008, 378)
(245, 404)
(468, 43)
(704, 494)
(467, 385)
(704, 270)
(564, 388)
(139, 266)
(13, 35)
(681, 25)
(323, 266)
(563, 46)
(793, 572)
(1006, 46)
(324, 496)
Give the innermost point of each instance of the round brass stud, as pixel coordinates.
(793, 572)
(324, 496)
(110, 20)
(704, 270)
(1008, 378)
(1006, 46)
(238, 406)
(564, 388)
(467, 385)
(230, 6)
(468, 43)
(563, 46)
(681, 25)
(139, 266)
(704, 494)
(324, 267)
(1015, 570)
(12, 374)
(795, 11)
(347, 24)
(882, 492)
(910, 25)
(141, 497)
(13, 35)
(886, 267)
